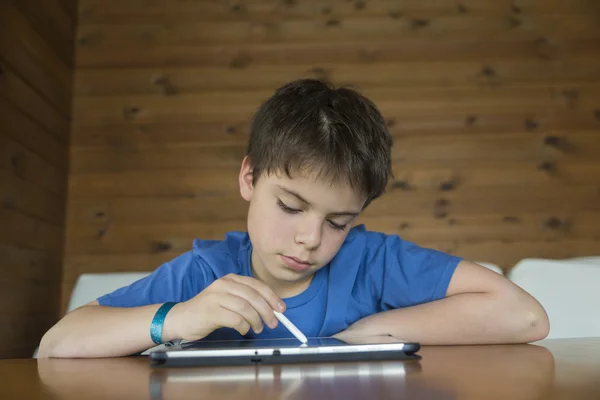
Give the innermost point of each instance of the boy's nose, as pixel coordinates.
(310, 236)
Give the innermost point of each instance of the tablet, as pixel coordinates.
(283, 351)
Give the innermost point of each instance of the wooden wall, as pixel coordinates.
(36, 73)
(494, 106)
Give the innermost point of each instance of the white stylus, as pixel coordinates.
(291, 327)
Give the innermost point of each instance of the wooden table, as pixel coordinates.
(551, 369)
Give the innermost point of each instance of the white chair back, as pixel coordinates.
(91, 286)
(567, 289)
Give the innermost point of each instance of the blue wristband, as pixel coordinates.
(158, 321)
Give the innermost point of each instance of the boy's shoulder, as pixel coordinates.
(223, 256)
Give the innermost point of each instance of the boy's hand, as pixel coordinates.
(233, 301)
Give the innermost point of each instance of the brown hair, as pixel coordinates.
(309, 125)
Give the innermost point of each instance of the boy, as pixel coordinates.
(316, 157)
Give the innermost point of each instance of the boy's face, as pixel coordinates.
(296, 226)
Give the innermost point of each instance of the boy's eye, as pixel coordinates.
(337, 226)
(291, 210)
(287, 209)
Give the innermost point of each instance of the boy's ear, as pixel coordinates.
(246, 175)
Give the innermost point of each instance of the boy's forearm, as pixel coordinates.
(98, 331)
(468, 318)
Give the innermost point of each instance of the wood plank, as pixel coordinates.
(25, 51)
(32, 136)
(448, 150)
(102, 214)
(221, 106)
(53, 24)
(29, 264)
(408, 49)
(214, 182)
(29, 297)
(491, 200)
(29, 199)
(138, 136)
(120, 238)
(26, 232)
(30, 167)
(503, 253)
(30, 103)
(115, 238)
(188, 80)
(327, 29)
(145, 11)
(482, 227)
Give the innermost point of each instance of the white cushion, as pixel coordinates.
(91, 286)
(587, 260)
(567, 289)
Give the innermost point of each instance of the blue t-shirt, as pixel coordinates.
(371, 273)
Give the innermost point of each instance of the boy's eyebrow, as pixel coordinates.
(302, 199)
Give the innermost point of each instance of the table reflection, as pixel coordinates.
(453, 372)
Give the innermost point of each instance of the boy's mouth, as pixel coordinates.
(296, 263)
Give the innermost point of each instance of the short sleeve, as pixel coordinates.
(177, 280)
(411, 274)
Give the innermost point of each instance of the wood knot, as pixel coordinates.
(326, 10)
(390, 122)
(488, 71)
(360, 5)
(514, 22)
(597, 114)
(160, 247)
(552, 140)
(515, 9)
(163, 83)
(395, 14)
(401, 185)
(439, 209)
(531, 124)
(418, 23)
(290, 3)
(470, 120)
(240, 61)
(403, 226)
(548, 166)
(16, 161)
(230, 130)
(461, 8)
(556, 223)
(543, 48)
(448, 185)
(238, 8)
(571, 96)
(131, 112)
(100, 214)
(332, 22)
(511, 219)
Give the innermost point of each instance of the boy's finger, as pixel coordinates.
(231, 319)
(255, 300)
(266, 292)
(244, 309)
